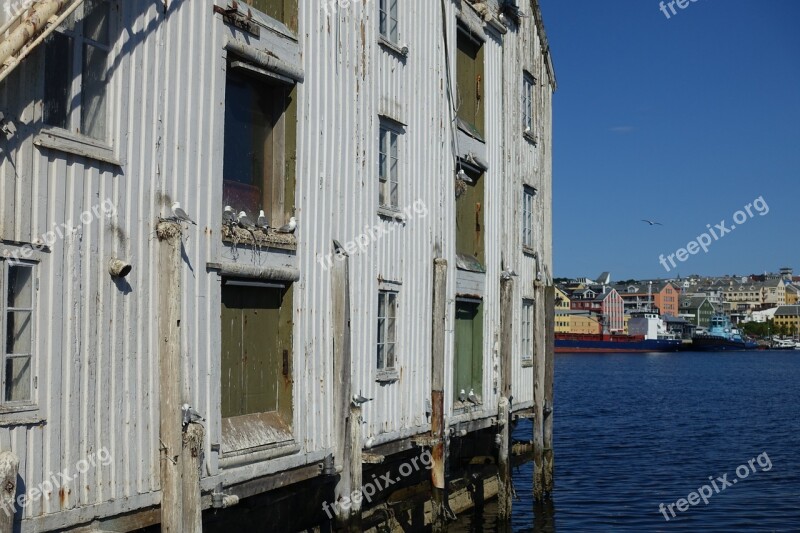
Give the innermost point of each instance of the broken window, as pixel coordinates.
(527, 216)
(469, 217)
(388, 165)
(387, 330)
(76, 71)
(388, 20)
(527, 330)
(256, 363)
(19, 300)
(259, 152)
(284, 11)
(469, 72)
(468, 371)
(528, 83)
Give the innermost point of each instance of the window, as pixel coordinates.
(468, 371)
(527, 216)
(259, 152)
(18, 354)
(284, 11)
(256, 363)
(76, 62)
(527, 330)
(469, 218)
(388, 20)
(528, 82)
(469, 72)
(387, 330)
(388, 166)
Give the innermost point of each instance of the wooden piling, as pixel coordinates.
(538, 398)
(505, 494)
(9, 468)
(438, 430)
(348, 444)
(169, 353)
(356, 481)
(549, 352)
(190, 475)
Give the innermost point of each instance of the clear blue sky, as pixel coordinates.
(684, 121)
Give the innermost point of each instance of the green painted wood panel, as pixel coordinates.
(468, 360)
(470, 82)
(469, 219)
(281, 10)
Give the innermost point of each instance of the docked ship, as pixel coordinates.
(648, 334)
(722, 337)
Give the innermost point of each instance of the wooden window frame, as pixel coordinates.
(28, 403)
(470, 76)
(386, 333)
(528, 203)
(526, 331)
(386, 16)
(389, 131)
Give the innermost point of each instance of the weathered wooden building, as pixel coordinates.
(414, 133)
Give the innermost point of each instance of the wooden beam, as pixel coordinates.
(538, 396)
(169, 352)
(549, 365)
(438, 450)
(9, 468)
(190, 473)
(505, 494)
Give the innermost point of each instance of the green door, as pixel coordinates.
(468, 369)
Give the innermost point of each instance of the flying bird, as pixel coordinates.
(652, 223)
(288, 228)
(261, 222)
(190, 415)
(228, 215)
(244, 220)
(358, 400)
(472, 397)
(179, 214)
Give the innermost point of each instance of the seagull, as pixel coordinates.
(508, 274)
(462, 395)
(338, 249)
(190, 415)
(228, 215)
(244, 220)
(472, 398)
(288, 228)
(358, 400)
(179, 214)
(652, 223)
(262, 220)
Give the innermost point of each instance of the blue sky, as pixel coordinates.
(684, 121)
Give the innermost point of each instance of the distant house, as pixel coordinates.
(647, 295)
(788, 316)
(562, 312)
(696, 310)
(604, 301)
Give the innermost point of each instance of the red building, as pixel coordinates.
(603, 300)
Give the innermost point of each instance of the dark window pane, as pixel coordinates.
(93, 110)
(58, 65)
(18, 333)
(95, 21)
(18, 379)
(20, 287)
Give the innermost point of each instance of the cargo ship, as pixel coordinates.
(722, 337)
(608, 343)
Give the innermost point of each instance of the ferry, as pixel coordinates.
(722, 337)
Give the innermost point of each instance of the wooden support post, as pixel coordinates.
(438, 429)
(505, 492)
(549, 352)
(190, 472)
(356, 481)
(169, 353)
(9, 468)
(538, 398)
(344, 421)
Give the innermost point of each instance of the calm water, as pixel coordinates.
(633, 431)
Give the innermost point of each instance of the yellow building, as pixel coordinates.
(789, 316)
(562, 312)
(792, 295)
(582, 322)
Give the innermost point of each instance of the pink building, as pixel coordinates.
(604, 301)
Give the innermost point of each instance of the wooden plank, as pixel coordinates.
(549, 371)
(505, 495)
(9, 468)
(190, 473)
(538, 397)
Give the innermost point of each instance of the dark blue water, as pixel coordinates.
(634, 431)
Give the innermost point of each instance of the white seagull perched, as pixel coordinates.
(262, 220)
(244, 220)
(358, 400)
(190, 415)
(471, 397)
(288, 228)
(507, 274)
(179, 214)
(462, 395)
(228, 215)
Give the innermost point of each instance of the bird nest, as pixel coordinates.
(258, 237)
(461, 188)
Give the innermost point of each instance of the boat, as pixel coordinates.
(722, 337)
(611, 343)
(783, 344)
